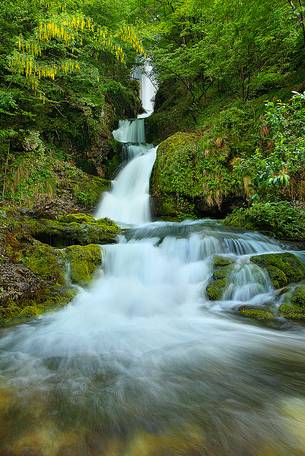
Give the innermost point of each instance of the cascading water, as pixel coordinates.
(142, 364)
(128, 201)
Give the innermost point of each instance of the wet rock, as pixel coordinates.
(283, 268)
(84, 260)
(38, 283)
(74, 229)
(223, 267)
(257, 313)
(185, 442)
(293, 306)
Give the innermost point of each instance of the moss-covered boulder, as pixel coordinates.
(45, 261)
(293, 306)
(33, 274)
(192, 176)
(256, 313)
(280, 220)
(223, 267)
(283, 268)
(83, 260)
(74, 229)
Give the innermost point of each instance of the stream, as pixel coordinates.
(141, 363)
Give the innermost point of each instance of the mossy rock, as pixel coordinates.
(216, 288)
(220, 261)
(283, 268)
(257, 313)
(192, 175)
(75, 229)
(84, 260)
(223, 267)
(293, 306)
(222, 272)
(45, 261)
(103, 223)
(24, 310)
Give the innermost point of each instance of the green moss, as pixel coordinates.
(75, 229)
(177, 207)
(21, 311)
(257, 314)
(222, 261)
(84, 261)
(222, 269)
(222, 272)
(278, 219)
(194, 168)
(87, 192)
(283, 268)
(294, 304)
(216, 289)
(104, 223)
(45, 261)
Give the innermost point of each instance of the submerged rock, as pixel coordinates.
(283, 268)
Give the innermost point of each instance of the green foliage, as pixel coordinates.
(277, 172)
(56, 65)
(278, 219)
(243, 48)
(40, 175)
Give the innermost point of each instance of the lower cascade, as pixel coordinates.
(142, 363)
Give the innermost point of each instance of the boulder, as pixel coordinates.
(283, 268)
(74, 229)
(222, 267)
(293, 306)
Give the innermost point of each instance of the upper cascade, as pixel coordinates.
(128, 202)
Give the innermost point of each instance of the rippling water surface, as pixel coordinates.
(141, 363)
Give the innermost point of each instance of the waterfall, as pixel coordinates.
(141, 362)
(128, 201)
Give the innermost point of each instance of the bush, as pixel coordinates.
(278, 219)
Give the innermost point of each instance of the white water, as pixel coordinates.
(128, 201)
